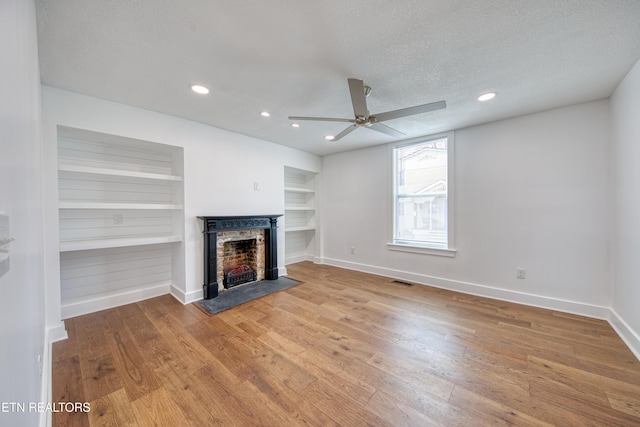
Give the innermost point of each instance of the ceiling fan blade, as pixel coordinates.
(410, 111)
(385, 129)
(358, 99)
(345, 132)
(322, 119)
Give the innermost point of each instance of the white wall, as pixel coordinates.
(22, 322)
(220, 167)
(625, 117)
(530, 192)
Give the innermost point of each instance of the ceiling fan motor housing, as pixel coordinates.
(359, 93)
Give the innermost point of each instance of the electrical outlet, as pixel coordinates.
(256, 186)
(117, 219)
(353, 249)
(521, 273)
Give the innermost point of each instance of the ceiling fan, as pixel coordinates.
(359, 93)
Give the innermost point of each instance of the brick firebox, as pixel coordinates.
(235, 248)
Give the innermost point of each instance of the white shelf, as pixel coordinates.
(83, 245)
(117, 172)
(294, 229)
(299, 190)
(299, 208)
(96, 205)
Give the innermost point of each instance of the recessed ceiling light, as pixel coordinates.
(295, 125)
(265, 114)
(200, 89)
(329, 137)
(487, 96)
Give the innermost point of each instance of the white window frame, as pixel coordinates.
(425, 248)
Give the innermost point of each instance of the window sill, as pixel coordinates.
(425, 250)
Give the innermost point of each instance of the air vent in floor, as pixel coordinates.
(403, 283)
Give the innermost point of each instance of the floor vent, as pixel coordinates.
(403, 283)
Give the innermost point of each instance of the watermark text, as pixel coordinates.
(45, 407)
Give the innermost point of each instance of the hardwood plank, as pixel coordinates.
(258, 353)
(167, 305)
(178, 347)
(89, 334)
(306, 308)
(192, 397)
(627, 403)
(137, 376)
(226, 395)
(68, 386)
(414, 375)
(113, 409)
(157, 408)
(272, 412)
(335, 370)
(216, 335)
(345, 348)
(492, 412)
(341, 407)
(583, 384)
(100, 377)
(576, 410)
(397, 412)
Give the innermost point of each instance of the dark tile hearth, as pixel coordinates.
(245, 293)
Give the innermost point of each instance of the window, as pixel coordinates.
(422, 203)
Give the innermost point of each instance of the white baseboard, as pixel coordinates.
(594, 311)
(188, 297)
(114, 299)
(57, 333)
(51, 335)
(299, 258)
(630, 338)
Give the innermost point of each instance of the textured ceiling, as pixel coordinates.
(293, 57)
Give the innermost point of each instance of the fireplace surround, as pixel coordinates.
(220, 224)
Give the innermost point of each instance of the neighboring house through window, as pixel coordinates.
(422, 195)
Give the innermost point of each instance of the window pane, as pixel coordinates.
(421, 192)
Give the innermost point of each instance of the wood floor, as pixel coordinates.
(345, 348)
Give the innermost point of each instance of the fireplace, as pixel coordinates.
(237, 250)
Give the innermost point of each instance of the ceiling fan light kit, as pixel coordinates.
(359, 93)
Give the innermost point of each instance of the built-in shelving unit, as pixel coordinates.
(121, 219)
(300, 216)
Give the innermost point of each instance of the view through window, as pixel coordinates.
(420, 193)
